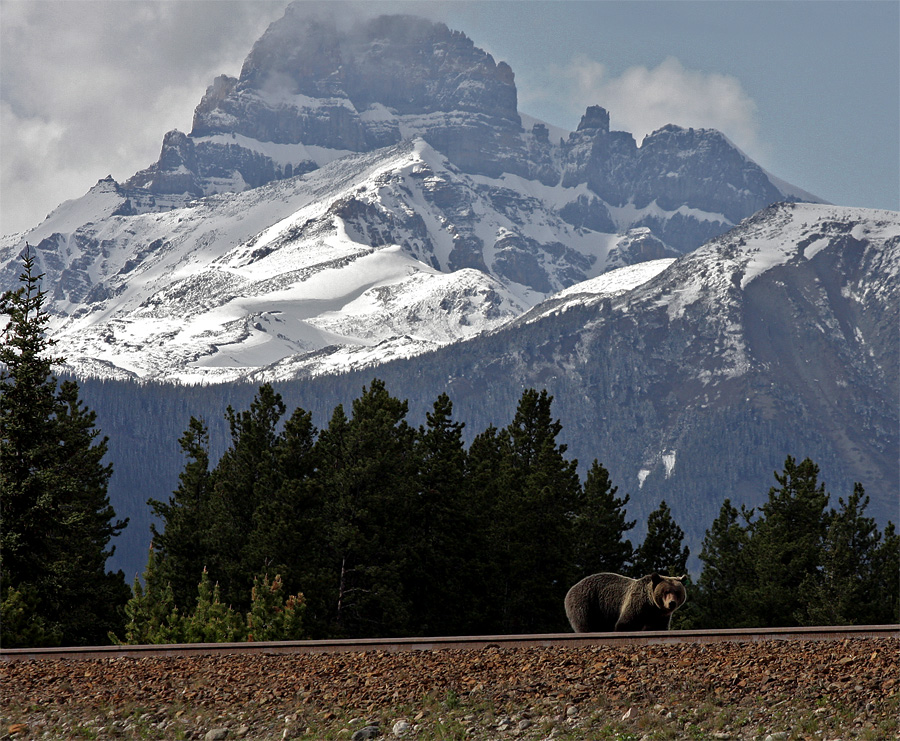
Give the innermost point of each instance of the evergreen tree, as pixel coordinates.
(271, 617)
(55, 516)
(886, 585)
(367, 477)
(600, 526)
(246, 475)
(153, 616)
(532, 524)
(662, 549)
(726, 572)
(90, 598)
(21, 621)
(847, 590)
(486, 480)
(288, 534)
(179, 551)
(443, 524)
(27, 442)
(786, 545)
(212, 621)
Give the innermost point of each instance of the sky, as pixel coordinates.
(809, 89)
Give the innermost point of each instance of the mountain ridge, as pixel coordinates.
(693, 324)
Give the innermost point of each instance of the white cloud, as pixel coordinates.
(90, 88)
(642, 100)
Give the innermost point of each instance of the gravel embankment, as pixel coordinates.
(778, 689)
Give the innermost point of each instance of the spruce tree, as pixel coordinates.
(442, 524)
(178, 549)
(532, 524)
(786, 545)
(848, 589)
(55, 517)
(662, 550)
(600, 526)
(726, 573)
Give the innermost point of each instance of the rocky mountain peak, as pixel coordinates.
(595, 117)
(316, 87)
(407, 64)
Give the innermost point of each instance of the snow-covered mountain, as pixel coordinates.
(370, 257)
(693, 379)
(359, 195)
(690, 379)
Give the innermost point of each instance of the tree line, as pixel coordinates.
(392, 530)
(373, 527)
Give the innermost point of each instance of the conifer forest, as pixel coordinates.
(375, 527)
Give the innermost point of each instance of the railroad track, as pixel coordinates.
(393, 645)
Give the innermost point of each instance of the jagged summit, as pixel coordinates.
(315, 91)
(406, 63)
(315, 88)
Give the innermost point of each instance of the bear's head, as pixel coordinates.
(668, 591)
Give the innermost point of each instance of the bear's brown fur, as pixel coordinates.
(606, 602)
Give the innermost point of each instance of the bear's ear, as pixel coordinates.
(682, 577)
(655, 578)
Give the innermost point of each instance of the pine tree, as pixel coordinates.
(726, 571)
(786, 545)
(847, 590)
(271, 617)
(367, 477)
(246, 475)
(286, 518)
(55, 517)
(27, 442)
(486, 482)
(288, 533)
(21, 621)
(90, 598)
(153, 616)
(212, 621)
(443, 523)
(662, 550)
(600, 526)
(532, 525)
(179, 551)
(886, 587)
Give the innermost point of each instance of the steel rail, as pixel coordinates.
(393, 645)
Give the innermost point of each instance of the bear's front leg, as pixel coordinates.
(629, 623)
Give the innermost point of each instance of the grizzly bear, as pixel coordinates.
(606, 602)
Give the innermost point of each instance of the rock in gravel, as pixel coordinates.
(216, 734)
(400, 728)
(363, 734)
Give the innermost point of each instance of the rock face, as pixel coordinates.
(308, 84)
(312, 90)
